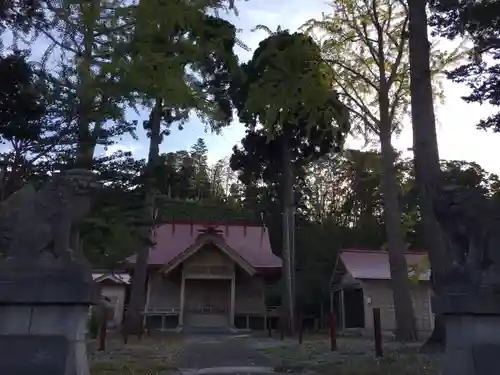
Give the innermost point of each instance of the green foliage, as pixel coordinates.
(187, 189)
(317, 246)
(478, 22)
(114, 54)
(342, 208)
(109, 56)
(283, 97)
(94, 323)
(115, 228)
(200, 210)
(286, 86)
(90, 97)
(21, 103)
(19, 15)
(180, 54)
(359, 40)
(259, 161)
(29, 121)
(185, 175)
(417, 269)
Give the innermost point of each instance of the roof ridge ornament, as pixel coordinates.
(210, 229)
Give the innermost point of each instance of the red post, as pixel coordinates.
(102, 331)
(377, 333)
(333, 334)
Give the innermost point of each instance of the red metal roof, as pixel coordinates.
(249, 240)
(374, 264)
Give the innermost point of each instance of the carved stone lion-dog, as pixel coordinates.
(36, 222)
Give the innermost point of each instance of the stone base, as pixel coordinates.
(53, 284)
(43, 317)
(26, 355)
(472, 345)
(46, 331)
(472, 333)
(479, 303)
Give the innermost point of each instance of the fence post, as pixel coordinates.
(377, 333)
(333, 334)
(269, 327)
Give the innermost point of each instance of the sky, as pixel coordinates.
(457, 134)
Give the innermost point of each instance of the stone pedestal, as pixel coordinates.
(472, 333)
(43, 315)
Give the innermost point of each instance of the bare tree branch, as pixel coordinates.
(401, 47)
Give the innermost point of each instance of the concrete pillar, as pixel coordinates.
(342, 309)
(148, 294)
(181, 312)
(232, 302)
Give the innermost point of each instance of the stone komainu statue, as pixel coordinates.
(471, 224)
(36, 222)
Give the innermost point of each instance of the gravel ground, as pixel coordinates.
(209, 351)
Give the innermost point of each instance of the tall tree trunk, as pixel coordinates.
(86, 142)
(287, 275)
(425, 150)
(406, 329)
(295, 302)
(133, 323)
(293, 259)
(400, 284)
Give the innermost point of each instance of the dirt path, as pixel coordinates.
(221, 351)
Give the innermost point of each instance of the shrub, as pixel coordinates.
(94, 323)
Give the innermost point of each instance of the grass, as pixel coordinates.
(355, 356)
(150, 355)
(128, 368)
(158, 355)
(408, 364)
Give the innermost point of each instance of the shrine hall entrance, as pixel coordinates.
(207, 303)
